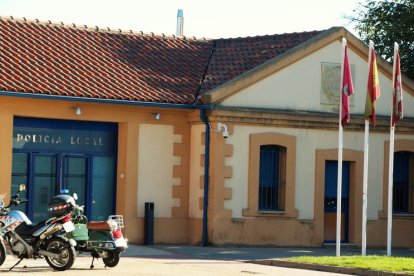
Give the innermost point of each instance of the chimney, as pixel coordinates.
(180, 22)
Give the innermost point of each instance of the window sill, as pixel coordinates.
(274, 214)
(409, 216)
(271, 212)
(403, 216)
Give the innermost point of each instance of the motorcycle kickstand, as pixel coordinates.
(92, 266)
(16, 264)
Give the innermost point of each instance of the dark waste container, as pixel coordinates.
(149, 223)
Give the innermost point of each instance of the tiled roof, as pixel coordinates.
(60, 60)
(66, 60)
(233, 57)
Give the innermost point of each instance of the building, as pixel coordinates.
(128, 118)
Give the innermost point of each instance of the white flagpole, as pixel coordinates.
(340, 146)
(364, 191)
(365, 175)
(391, 162)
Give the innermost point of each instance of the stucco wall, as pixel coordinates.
(308, 141)
(155, 168)
(196, 171)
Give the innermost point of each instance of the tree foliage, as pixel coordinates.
(385, 22)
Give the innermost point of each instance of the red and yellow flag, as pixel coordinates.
(397, 97)
(347, 89)
(373, 90)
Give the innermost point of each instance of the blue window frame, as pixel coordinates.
(402, 199)
(271, 177)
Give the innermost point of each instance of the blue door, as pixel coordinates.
(56, 174)
(330, 202)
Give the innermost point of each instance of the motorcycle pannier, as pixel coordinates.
(61, 205)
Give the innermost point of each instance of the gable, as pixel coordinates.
(308, 80)
(306, 85)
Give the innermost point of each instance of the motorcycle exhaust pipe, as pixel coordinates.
(49, 254)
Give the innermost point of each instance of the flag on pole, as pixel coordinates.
(347, 89)
(397, 97)
(373, 89)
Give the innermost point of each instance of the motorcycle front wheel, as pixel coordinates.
(66, 252)
(112, 260)
(2, 253)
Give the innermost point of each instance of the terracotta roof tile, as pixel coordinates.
(57, 59)
(233, 57)
(60, 60)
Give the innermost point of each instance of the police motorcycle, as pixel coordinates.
(27, 241)
(102, 239)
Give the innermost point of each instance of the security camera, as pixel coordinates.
(223, 129)
(225, 134)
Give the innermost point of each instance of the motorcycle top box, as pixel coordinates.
(61, 205)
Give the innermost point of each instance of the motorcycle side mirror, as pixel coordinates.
(22, 187)
(75, 196)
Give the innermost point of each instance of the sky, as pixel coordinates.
(202, 18)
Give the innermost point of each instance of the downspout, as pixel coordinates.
(203, 117)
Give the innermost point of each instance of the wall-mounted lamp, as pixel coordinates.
(77, 110)
(221, 128)
(156, 116)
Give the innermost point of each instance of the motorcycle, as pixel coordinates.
(102, 239)
(27, 241)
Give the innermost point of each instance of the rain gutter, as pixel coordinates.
(108, 101)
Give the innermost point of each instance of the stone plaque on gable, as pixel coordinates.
(331, 83)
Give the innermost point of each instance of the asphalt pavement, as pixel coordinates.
(165, 260)
(250, 253)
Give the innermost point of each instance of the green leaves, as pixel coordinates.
(386, 22)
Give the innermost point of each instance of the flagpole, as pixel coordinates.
(364, 191)
(340, 146)
(365, 174)
(391, 162)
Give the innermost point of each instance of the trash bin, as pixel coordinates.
(149, 223)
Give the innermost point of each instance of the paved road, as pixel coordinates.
(186, 260)
(156, 266)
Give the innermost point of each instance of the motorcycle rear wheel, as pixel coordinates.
(112, 260)
(66, 252)
(2, 253)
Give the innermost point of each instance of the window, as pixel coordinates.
(20, 176)
(403, 188)
(271, 177)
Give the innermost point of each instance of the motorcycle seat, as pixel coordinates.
(28, 229)
(99, 225)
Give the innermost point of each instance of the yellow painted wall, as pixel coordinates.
(196, 170)
(304, 230)
(308, 141)
(139, 135)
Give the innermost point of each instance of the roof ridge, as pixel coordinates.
(97, 28)
(271, 35)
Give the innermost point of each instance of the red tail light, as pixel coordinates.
(117, 234)
(66, 219)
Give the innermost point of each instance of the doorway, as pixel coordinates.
(64, 157)
(330, 201)
(56, 174)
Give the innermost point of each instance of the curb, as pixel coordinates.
(334, 269)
